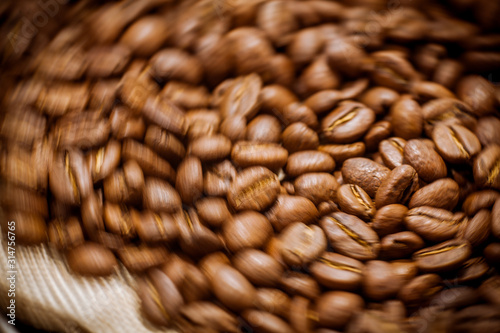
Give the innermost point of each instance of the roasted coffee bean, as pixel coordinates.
(295, 283)
(213, 211)
(379, 99)
(347, 123)
(242, 97)
(479, 200)
(233, 289)
(125, 125)
(202, 122)
(119, 219)
(425, 160)
(472, 269)
(495, 219)
(165, 114)
(288, 209)
(141, 258)
(125, 185)
(164, 143)
(379, 131)
(406, 118)
(160, 196)
(273, 301)
(264, 322)
(477, 229)
(92, 212)
(443, 257)
(104, 61)
(309, 161)
(381, 281)
(392, 70)
(92, 259)
(350, 236)
(254, 188)
(317, 187)
(297, 112)
(58, 99)
(449, 111)
(269, 155)
(264, 128)
(336, 271)
(21, 199)
(210, 148)
(391, 151)
(487, 167)
(65, 234)
(104, 161)
(199, 316)
(352, 199)
(365, 173)
(154, 228)
(455, 143)
(478, 93)
(301, 244)
(490, 290)
(442, 193)
(23, 127)
(246, 229)
(492, 254)
(175, 64)
(186, 96)
(189, 180)
(258, 267)
(399, 185)
(150, 163)
(335, 308)
(434, 224)
(420, 290)
(29, 227)
(341, 153)
(298, 136)
(389, 219)
(400, 244)
(486, 130)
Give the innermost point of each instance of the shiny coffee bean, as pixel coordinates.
(425, 160)
(336, 271)
(398, 187)
(434, 224)
(335, 308)
(442, 193)
(352, 199)
(444, 256)
(246, 229)
(389, 219)
(317, 187)
(309, 161)
(270, 155)
(92, 259)
(391, 151)
(258, 267)
(288, 209)
(301, 244)
(487, 167)
(455, 143)
(365, 173)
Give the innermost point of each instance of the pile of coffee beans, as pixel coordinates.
(264, 166)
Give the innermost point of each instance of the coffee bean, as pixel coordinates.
(352, 199)
(442, 193)
(443, 257)
(379, 99)
(472, 269)
(406, 118)
(152, 227)
(379, 131)
(495, 219)
(301, 244)
(288, 209)
(487, 167)
(254, 188)
(269, 155)
(380, 280)
(210, 148)
(448, 110)
(164, 143)
(336, 271)
(246, 229)
(389, 219)
(265, 322)
(241, 98)
(425, 160)
(434, 224)
(391, 151)
(455, 143)
(258, 267)
(317, 187)
(213, 211)
(298, 136)
(420, 289)
(336, 308)
(160, 196)
(189, 179)
(205, 315)
(233, 289)
(264, 128)
(141, 258)
(273, 301)
(92, 259)
(477, 229)
(365, 173)
(479, 200)
(400, 244)
(398, 187)
(295, 283)
(341, 153)
(350, 236)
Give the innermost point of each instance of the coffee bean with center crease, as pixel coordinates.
(365, 173)
(298, 136)
(455, 143)
(210, 147)
(213, 211)
(434, 224)
(253, 188)
(258, 267)
(290, 208)
(309, 161)
(274, 301)
(350, 236)
(479, 200)
(340, 152)
(189, 179)
(477, 229)
(487, 167)
(399, 185)
(400, 244)
(269, 155)
(389, 219)
(442, 193)
(425, 160)
(246, 229)
(391, 151)
(204, 315)
(336, 271)
(420, 289)
(444, 256)
(301, 244)
(316, 186)
(352, 199)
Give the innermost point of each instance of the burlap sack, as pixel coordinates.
(50, 297)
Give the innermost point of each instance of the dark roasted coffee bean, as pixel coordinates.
(352, 199)
(391, 151)
(455, 143)
(442, 193)
(443, 257)
(487, 167)
(253, 188)
(336, 271)
(490, 290)
(270, 155)
(434, 224)
(288, 209)
(400, 244)
(365, 173)
(473, 269)
(419, 290)
(301, 244)
(492, 254)
(350, 236)
(398, 187)
(246, 229)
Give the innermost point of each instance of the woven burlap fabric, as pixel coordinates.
(50, 297)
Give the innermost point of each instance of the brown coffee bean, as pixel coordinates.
(350, 236)
(125, 125)
(23, 127)
(92, 212)
(246, 229)
(420, 290)
(233, 289)
(336, 271)
(265, 322)
(455, 143)
(492, 254)
(490, 289)
(64, 98)
(447, 110)
(104, 61)
(254, 188)
(273, 301)
(406, 118)
(434, 224)
(495, 219)
(379, 99)
(288, 209)
(352, 199)
(479, 200)
(477, 229)
(164, 143)
(264, 128)
(189, 180)
(400, 245)
(478, 93)
(380, 280)
(336, 308)
(298, 136)
(160, 196)
(92, 259)
(210, 148)
(347, 123)
(341, 153)
(316, 77)
(365, 173)
(391, 151)
(309, 161)
(163, 113)
(150, 163)
(65, 234)
(258, 267)
(176, 64)
(213, 211)
(487, 167)
(398, 187)
(392, 70)
(186, 96)
(242, 97)
(301, 244)
(336, 51)
(425, 160)
(199, 316)
(202, 122)
(379, 131)
(21, 199)
(103, 162)
(316, 186)
(448, 72)
(389, 219)
(297, 112)
(154, 228)
(486, 130)
(141, 258)
(269, 155)
(442, 193)
(295, 283)
(472, 270)
(118, 219)
(443, 257)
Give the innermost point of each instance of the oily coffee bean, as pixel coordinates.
(442, 193)
(399, 185)
(189, 179)
(253, 188)
(296, 283)
(273, 301)
(425, 160)
(350, 236)
(420, 289)
(309, 161)
(389, 219)
(477, 229)
(258, 267)
(288, 209)
(317, 187)
(336, 271)
(232, 288)
(365, 173)
(444, 256)
(487, 167)
(213, 211)
(298, 136)
(400, 244)
(301, 244)
(352, 199)
(455, 143)
(434, 224)
(479, 200)
(246, 229)
(391, 151)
